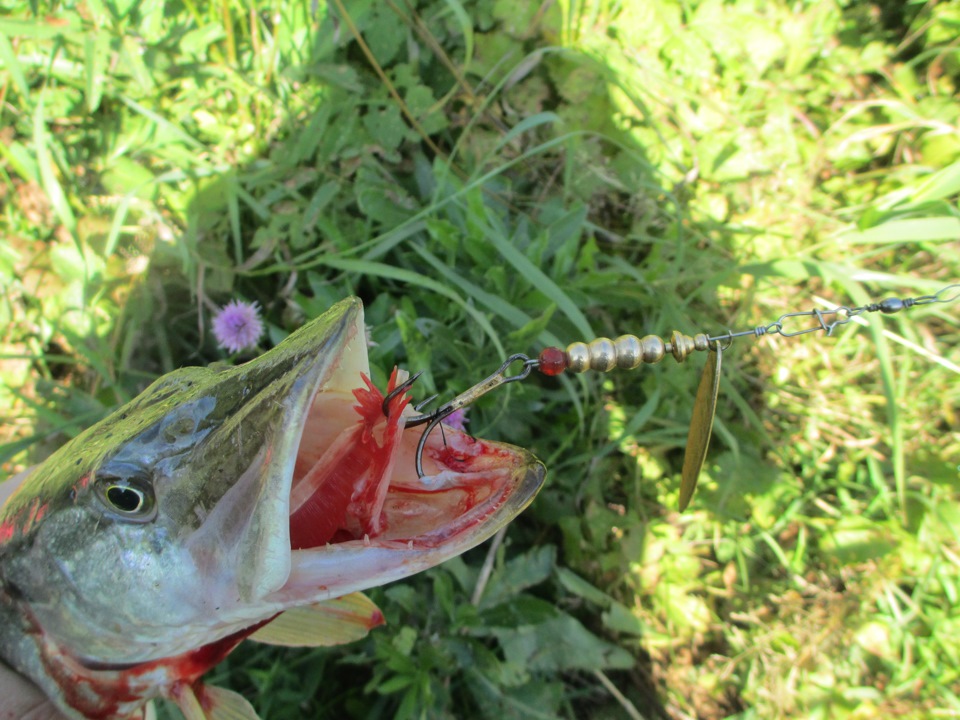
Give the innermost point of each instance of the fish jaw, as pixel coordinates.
(355, 565)
(345, 510)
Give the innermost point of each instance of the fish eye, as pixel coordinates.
(126, 498)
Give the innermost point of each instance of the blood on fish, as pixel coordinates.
(353, 481)
(100, 693)
(317, 521)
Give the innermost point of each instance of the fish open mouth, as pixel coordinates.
(359, 515)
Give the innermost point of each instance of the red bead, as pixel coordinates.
(553, 361)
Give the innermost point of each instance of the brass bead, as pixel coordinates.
(603, 355)
(681, 345)
(578, 357)
(628, 351)
(653, 349)
(700, 342)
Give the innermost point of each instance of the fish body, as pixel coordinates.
(225, 502)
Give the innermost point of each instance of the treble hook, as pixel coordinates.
(399, 390)
(432, 419)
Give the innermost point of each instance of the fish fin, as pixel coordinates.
(332, 622)
(200, 702)
(188, 702)
(222, 704)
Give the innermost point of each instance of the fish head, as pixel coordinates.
(222, 496)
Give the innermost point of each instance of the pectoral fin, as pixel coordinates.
(333, 622)
(199, 702)
(223, 704)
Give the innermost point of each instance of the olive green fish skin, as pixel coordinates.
(103, 582)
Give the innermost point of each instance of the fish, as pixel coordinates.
(231, 502)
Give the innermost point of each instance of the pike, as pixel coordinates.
(225, 503)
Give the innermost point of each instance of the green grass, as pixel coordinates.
(492, 177)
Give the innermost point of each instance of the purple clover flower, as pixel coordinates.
(457, 419)
(237, 326)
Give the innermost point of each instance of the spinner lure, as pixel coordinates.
(628, 352)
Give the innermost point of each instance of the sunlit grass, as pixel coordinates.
(491, 178)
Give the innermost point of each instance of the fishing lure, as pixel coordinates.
(629, 352)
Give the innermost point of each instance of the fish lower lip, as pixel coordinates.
(345, 567)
